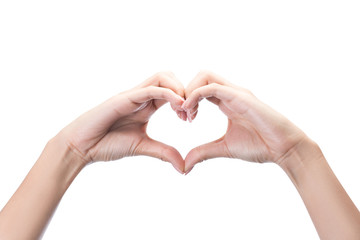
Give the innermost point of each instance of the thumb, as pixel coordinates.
(156, 149)
(203, 152)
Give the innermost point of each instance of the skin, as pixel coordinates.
(117, 129)
(112, 130)
(257, 133)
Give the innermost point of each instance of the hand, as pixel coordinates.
(117, 127)
(255, 132)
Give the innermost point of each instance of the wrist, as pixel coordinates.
(304, 155)
(34, 202)
(62, 159)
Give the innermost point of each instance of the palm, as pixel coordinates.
(117, 127)
(125, 137)
(243, 141)
(118, 143)
(264, 138)
(255, 131)
(114, 133)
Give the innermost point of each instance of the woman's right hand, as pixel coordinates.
(117, 127)
(255, 132)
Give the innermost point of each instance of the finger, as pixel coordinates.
(191, 114)
(162, 151)
(156, 93)
(204, 78)
(182, 115)
(119, 105)
(204, 152)
(164, 80)
(213, 90)
(214, 100)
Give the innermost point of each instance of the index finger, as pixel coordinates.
(165, 80)
(204, 78)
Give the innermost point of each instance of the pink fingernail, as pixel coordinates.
(183, 116)
(183, 106)
(179, 171)
(188, 116)
(187, 172)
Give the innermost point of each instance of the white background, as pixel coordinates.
(61, 58)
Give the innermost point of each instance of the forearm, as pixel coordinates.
(29, 210)
(333, 213)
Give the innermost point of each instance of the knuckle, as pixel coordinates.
(197, 92)
(166, 92)
(160, 75)
(169, 73)
(180, 91)
(205, 73)
(150, 91)
(214, 87)
(151, 88)
(187, 93)
(164, 74)
(247, 91)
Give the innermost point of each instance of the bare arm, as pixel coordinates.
(28, 212)
(258, 133)
(112, 130)
(333, 213)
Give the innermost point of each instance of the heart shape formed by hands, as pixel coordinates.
(117, 127)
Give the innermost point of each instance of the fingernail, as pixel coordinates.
(180, 171)
(192, 115)
(182, 101)
(187, 172)
(183, 116)
(183, 106)
(188, 116)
